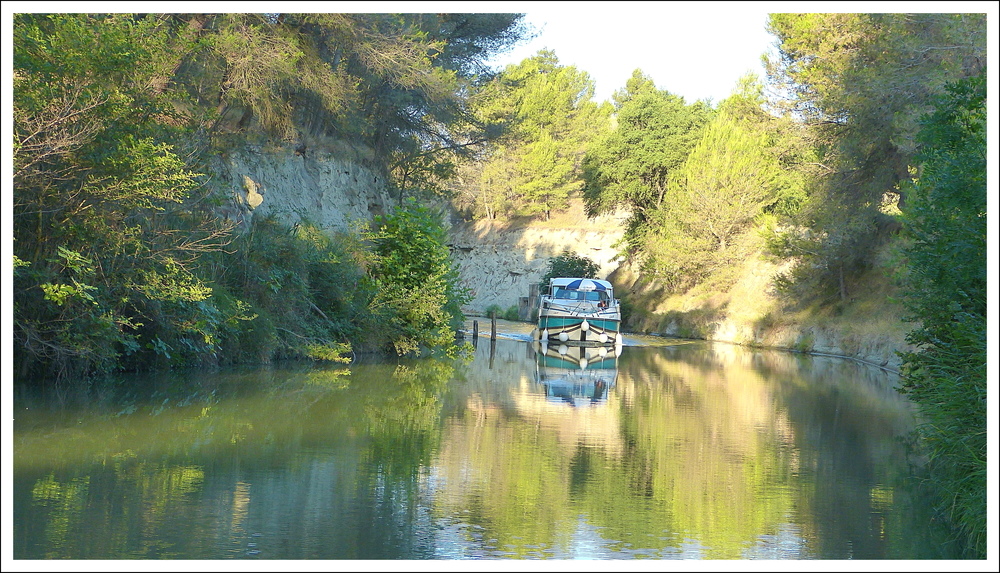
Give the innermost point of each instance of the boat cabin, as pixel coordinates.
(573, 294)
(581, 290)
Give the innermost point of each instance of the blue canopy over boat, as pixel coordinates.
(587, 284)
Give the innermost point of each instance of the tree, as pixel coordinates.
(630, 167)
(945, 291)
(568, 264)
(551, 119)
(546, 178)
(103, 221)
(416, 72)
(416, 283)
(861, 81)
(727, 181)
(637, 83)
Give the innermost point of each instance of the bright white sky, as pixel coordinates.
(694, 49)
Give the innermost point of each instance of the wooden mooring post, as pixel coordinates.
(493, 338)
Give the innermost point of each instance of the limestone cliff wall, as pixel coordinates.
(329, 186)
(333, 186)
(498, 264)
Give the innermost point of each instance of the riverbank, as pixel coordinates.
(874, 349)
(751, 312)
(516, 330)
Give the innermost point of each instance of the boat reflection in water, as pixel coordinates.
(575, 374)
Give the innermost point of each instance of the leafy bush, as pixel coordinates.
(568, 264)
(512, 314)
(304, 290)
(493, 310)
(945, 292)
(334, 352)
(416, 284)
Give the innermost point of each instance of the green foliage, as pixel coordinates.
(59, 322)
(729, 179)
(945, 288)
(416, 284)
(631, 166)
(445, 130)
(304, 289)
(637, 83)
(860, 82)
(512, 313)
(100, 201)
(785, 139)
(331, 352)
(568, 264)
(550, 120)
(493, 310)
(260, 62)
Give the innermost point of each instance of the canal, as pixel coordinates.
(670, 450)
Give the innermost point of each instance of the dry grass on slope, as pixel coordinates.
(752, 312)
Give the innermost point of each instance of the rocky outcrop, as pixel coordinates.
(329, 186)
(499, 263)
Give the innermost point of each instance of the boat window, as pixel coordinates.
(571, 294)
(564, 293)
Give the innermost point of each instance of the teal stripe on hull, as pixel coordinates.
(558, 323)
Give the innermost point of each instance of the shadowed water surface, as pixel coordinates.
(693, 451)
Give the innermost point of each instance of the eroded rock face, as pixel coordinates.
(499, 265)
(335, 190)
(328, 189)
(253, 198)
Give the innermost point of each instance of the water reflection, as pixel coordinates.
(692, 451)
(574, 374)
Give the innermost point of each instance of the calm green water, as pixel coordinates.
(695, 452)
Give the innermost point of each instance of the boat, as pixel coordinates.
(579, 311)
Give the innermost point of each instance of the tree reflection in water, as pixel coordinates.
(693, 451)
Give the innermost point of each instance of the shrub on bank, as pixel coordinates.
(945, 291)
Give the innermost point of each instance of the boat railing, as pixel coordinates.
(576, 306)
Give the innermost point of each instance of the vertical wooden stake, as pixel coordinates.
(493, 327)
